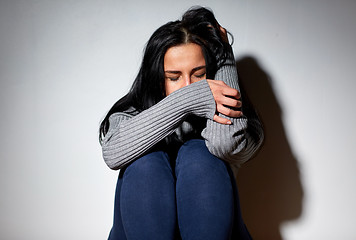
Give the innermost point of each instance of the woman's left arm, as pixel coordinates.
(237, 142)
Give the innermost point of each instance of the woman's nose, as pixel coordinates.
(187, 80)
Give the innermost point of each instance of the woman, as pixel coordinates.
(176, 135)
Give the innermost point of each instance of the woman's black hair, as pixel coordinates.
(199, 26)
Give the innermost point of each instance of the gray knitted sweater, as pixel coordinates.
(132, 135)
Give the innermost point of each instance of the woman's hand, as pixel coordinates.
(223, 34)
(227, 100)
(222, 31)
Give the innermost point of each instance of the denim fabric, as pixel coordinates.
(193, 197)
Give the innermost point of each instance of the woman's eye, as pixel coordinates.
(173, 78)
(200, 75)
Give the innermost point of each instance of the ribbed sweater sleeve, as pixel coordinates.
(129, 137)
(235, 143)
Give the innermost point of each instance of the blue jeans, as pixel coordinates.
(195, 197)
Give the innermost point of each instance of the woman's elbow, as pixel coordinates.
(114, 164)
(112, 159)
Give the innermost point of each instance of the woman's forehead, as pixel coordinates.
(183, 56)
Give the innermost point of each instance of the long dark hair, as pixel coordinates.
(199, 26)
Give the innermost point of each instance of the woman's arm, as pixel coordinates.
(237, 142)
(129, 137)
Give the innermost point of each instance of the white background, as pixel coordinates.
(64, 63)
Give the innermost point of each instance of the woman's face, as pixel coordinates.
(183, 64)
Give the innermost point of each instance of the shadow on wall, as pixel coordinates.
(269, 185)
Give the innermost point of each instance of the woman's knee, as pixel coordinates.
(147, 201)
(151, 164)
(194, 156)
(194, 150)
(149, 176)
(204, 187)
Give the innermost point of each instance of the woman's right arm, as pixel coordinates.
(130, 137)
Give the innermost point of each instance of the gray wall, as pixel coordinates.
(64, 63)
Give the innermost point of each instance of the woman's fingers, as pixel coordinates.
(219, 86)
(231, 102)
(229, 91)
(228, 111)
(226, 98)
(221, 120)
